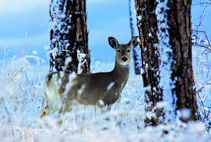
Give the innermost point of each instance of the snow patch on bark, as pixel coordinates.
(166, 57)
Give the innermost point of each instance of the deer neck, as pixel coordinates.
(121, 73)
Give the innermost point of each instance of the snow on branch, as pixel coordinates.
(200, 41)
(202, 2)
(81, 59)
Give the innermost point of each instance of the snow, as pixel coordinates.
(24, 98)
(184, 114)
(164, 47)
(110, 85)
(58, 27)
(81, 59)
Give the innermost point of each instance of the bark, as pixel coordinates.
(68, 33)
(153, 34)
(147, 25)
(136, 53)
(180, 39)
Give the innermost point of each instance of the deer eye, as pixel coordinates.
(119, 51)
(128, 50)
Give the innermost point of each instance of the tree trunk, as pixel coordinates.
(182, 69)
(68, 33)
(147, 25)
(136, 51)
(164, 29)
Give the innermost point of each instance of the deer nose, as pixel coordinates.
(124, 59)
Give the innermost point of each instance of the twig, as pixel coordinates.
(2, 101)
(207, 3)
(205, 34)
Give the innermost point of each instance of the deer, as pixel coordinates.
(62, 90)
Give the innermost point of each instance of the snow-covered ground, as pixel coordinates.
(22, 81)
(22, 98)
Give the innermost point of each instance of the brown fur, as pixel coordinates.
(89, 89)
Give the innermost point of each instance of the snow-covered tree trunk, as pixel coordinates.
(68, 33)
(147, 25)
(133, 29)
(164, 29)
(179, 23)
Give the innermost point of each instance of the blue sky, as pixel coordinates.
(24, 26)
(107, 18)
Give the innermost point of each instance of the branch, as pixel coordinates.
(207, 3)
(9, 119)
(208, 46)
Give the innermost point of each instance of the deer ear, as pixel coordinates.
(113, 42)
(134, 42)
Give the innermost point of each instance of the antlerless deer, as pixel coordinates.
(90, 89)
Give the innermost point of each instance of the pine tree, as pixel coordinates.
(136, 51)
(68, 36)
(165, 33)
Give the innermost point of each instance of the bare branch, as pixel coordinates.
(200, 2)
(9, 119)
(206, 43)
